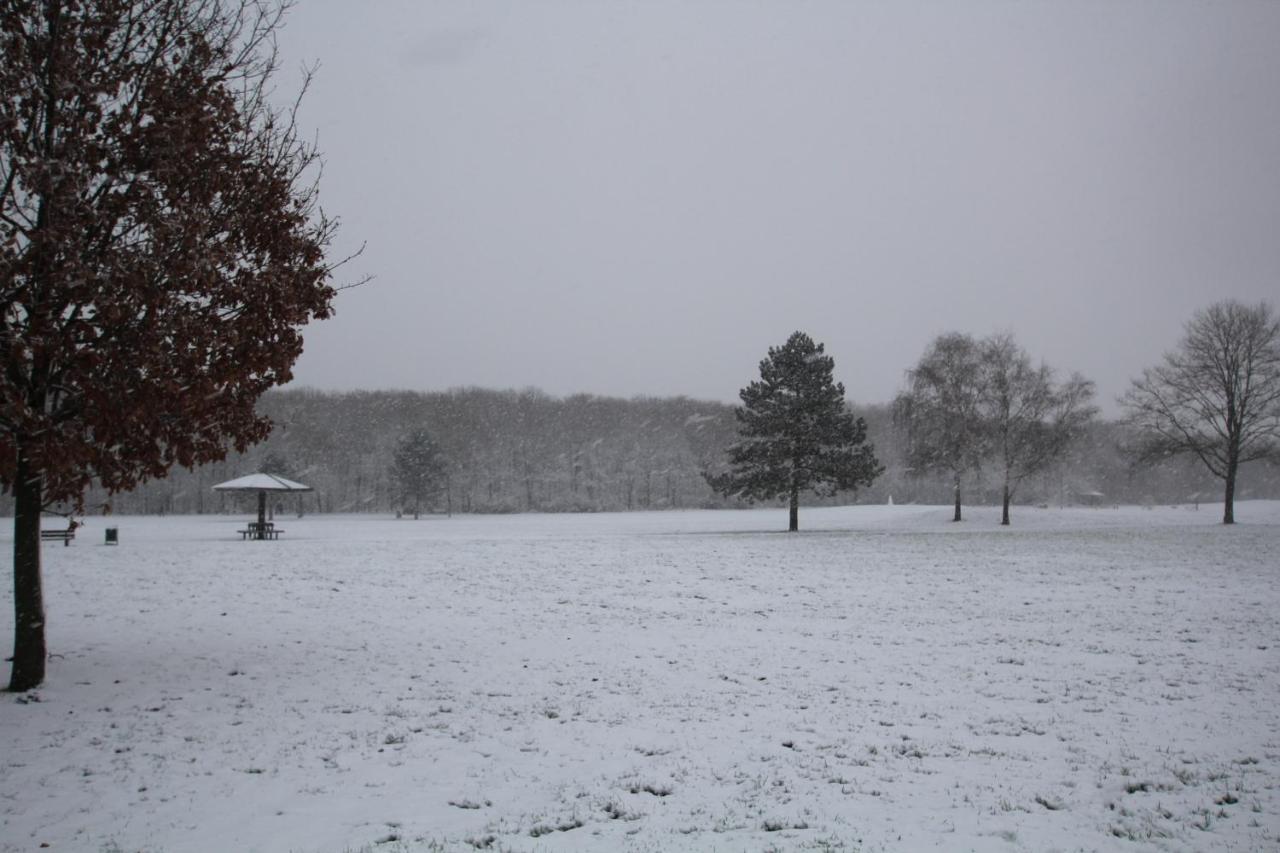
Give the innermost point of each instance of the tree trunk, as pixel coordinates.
(1004, 517)
(28, 595)
(1229, 496)
(957, 494)
(794, 524)
(28, 486)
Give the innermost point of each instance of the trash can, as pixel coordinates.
(113, 536)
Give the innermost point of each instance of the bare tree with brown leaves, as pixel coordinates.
(161, 242)
(1217, 396)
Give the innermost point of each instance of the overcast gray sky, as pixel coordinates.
(640, 198)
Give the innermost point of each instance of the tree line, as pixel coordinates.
(527, 451)
(480, 451)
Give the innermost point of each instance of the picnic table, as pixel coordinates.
(265, 530)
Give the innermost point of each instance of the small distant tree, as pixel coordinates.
(418, 470)
(795, 432)
(161, 244)
(277, 463)
(1216, 397)
(1030, 421)
(940, 410)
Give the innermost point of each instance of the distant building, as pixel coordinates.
(1087, 497)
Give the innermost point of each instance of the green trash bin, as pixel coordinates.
(113, 536)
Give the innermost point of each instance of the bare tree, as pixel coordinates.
(1217, 396)
(1030, 420)
(939, 412)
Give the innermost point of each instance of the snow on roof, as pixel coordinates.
(261, 482)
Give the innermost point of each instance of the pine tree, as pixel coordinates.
(418, 469)
(795, 432)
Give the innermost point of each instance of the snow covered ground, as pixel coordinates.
(885, 680)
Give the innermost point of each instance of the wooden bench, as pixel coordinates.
(65, 535)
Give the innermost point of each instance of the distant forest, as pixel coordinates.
(526, 451)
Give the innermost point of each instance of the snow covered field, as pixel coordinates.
(885, 680)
